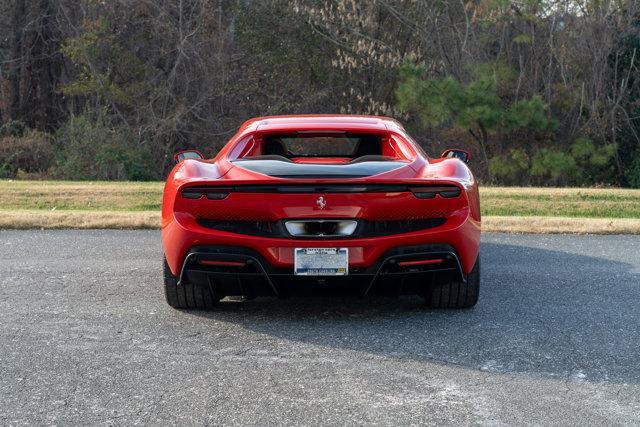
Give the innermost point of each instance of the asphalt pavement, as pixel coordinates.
(86, 338)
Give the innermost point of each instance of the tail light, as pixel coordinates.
(420, 262)
(216, 263)
(211, 193)
(430, 192)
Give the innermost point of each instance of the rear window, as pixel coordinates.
(323, 146)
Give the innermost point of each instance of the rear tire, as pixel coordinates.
(455, 294)
(187, 295)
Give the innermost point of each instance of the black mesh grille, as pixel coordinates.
(252, 228)
(365, 228)
(385, 228)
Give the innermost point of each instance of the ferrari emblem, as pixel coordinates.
(321, 203)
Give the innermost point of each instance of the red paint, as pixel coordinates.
(419, 262)
(180, 231)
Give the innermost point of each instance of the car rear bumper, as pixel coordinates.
(231, 270)
(183, 235)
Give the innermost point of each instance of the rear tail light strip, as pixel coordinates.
(421, 192)
(420, 262)
(222, 263)
(211, 193)
(430, 192)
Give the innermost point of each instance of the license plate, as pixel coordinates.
(321, 261)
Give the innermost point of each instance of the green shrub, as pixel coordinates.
(595, 163)
(554, 166)
(510, 168)
(13, 128)
(31, 153)
(91, 148)
(633, 172)
(128, 163)
(5, 172)
(583, 164)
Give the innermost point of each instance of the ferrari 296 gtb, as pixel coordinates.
(316, 203)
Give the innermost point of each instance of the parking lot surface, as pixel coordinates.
(86, 337)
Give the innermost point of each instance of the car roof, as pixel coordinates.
(320, 122)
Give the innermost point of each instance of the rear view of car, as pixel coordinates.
(314, 204)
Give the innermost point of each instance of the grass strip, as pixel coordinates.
(93, 204)
(559, 225)
(560, 202)
(39, 219)
(80, 195)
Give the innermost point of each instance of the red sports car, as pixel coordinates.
(294, 204)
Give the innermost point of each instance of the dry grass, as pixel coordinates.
(41, 219)
(560, 225)
(63, 204)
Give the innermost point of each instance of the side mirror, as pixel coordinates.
(187, 154)
(456, 153)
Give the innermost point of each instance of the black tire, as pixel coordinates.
(187, 295)
(455, 294)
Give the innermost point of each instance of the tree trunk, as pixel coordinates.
(15, 60)
(482, 139)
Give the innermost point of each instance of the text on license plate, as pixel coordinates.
(321, 261)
